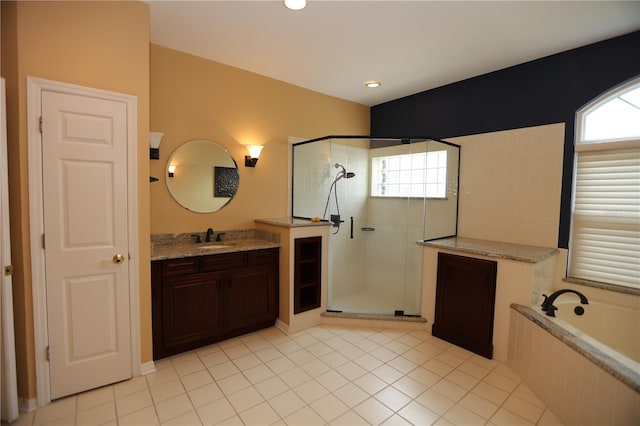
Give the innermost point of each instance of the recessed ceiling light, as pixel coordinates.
(373, 83)
(295, 4)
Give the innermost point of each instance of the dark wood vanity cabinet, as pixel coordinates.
(197, 301)
(465, 301)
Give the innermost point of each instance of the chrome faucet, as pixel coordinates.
(207, 238)
(550, 309)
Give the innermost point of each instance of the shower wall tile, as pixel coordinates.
(348, 256)
(510, 185)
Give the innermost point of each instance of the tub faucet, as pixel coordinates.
(550, 309)
(207, 238)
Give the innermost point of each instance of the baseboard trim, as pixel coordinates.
(282, 326)
(147, 368)
(26, 405)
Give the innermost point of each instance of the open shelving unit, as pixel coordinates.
(307, 283)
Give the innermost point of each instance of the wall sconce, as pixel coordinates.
(172, 170)
(254, 153)
(154, 145)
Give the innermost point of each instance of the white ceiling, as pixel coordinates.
(332, 47)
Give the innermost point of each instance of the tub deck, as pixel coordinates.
(623, 371)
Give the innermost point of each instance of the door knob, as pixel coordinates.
(118, 258)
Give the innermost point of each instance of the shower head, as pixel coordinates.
(343, 172)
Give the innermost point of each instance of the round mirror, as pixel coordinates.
(202, 176)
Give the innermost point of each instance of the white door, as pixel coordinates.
(8, 387)
(84, 168)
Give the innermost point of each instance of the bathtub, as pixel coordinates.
(615, 330)
(585, 368)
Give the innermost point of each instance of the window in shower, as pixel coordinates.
(420, 174)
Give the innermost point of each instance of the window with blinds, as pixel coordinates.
(605, 227)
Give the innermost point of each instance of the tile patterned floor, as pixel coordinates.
(323, 375)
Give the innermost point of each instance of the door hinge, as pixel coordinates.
(48, 354)
(40, 124)
(8, 270)
(44, 240)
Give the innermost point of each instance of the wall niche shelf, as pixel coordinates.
(307, 273)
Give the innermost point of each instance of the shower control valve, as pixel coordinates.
(335, 219)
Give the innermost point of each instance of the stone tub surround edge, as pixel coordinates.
(621, 372)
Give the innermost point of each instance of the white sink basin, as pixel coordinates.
(215, 247)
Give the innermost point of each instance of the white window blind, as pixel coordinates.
(605, 240)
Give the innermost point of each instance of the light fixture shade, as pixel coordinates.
(373, 83)
(154, 145)
(295, 4)
(154, 139)
(254, 151)
(171, 170)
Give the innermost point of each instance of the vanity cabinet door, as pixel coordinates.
(251, 298)
(191, 308)
(465, 301)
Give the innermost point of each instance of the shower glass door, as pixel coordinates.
(372, 192)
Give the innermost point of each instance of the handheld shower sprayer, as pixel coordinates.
(343, 173)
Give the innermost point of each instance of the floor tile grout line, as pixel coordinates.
(381, 338)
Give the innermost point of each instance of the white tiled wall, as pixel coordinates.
(574, 388)
(510, 185)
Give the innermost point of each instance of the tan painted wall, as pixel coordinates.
(193, 98)
(103, 45)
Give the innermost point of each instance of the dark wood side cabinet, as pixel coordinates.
(465, 301)
(200, 300)
(307, 274)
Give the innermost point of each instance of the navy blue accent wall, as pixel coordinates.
(545, 91)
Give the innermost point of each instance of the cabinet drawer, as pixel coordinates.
(218, 262)
(180, 266)
(260, 257)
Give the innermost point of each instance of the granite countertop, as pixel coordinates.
(291, 222)
(519, 252)
(190, 249)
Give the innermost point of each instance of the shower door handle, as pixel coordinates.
(352, 227)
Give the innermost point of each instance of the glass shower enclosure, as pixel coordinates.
(379, 196)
